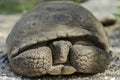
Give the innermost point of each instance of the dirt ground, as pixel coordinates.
(113, 72)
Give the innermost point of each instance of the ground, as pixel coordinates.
(112, 73)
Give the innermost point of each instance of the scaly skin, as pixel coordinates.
(89, 59)
(40, 61)
(60, 51)
(34, 62)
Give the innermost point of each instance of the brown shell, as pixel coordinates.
(52, 20)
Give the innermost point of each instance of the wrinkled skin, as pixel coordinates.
(53, 59)
(64, 40)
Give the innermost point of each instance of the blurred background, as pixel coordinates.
(106, 11)
(20, 6)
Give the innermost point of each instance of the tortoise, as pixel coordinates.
(58, 38)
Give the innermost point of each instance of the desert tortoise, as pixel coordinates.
(58, 38)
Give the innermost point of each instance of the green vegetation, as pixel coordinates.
(16, 7)
(20, 6)
(118, 15)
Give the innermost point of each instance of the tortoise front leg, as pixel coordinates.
(33, 62)
(89, 58)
